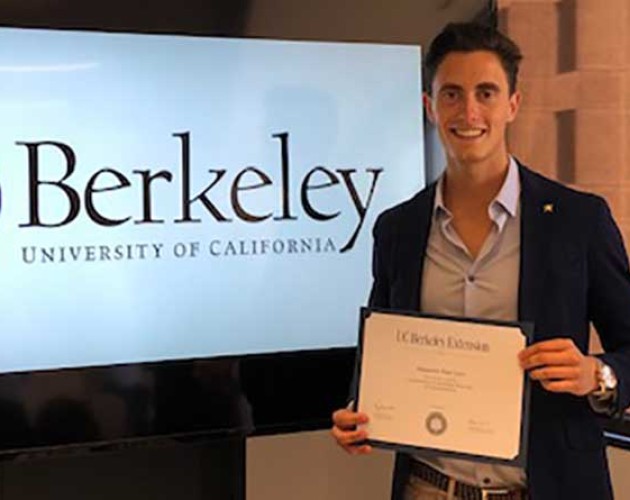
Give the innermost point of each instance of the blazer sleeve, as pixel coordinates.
(609, 297)
(379, 294)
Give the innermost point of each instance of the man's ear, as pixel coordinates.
(515, 104)
(428, 106)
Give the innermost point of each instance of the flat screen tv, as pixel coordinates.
(185, 221)
(168, 198)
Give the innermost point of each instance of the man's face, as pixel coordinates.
(471, 106)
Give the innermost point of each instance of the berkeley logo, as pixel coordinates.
(242, 185)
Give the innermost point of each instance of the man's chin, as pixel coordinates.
(469, 157)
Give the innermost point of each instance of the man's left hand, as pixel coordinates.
(560, 366)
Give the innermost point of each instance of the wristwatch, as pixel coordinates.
(606, 380)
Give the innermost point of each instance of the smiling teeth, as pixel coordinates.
(469, 133)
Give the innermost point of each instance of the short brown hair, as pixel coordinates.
(470, 37)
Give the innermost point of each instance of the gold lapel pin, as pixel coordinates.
(548, 208)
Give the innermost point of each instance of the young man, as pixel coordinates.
(492, 239)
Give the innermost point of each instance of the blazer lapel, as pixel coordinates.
(536, 213)
(418, 229)
(535, 219)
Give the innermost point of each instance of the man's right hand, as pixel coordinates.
(345, 431)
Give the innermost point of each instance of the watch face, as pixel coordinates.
(608, 377)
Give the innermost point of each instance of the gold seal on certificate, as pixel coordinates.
(446, 384)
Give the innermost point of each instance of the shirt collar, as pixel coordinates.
(507, 198)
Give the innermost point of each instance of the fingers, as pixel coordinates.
(559, 351)
(569, 386)
(568, 357)
(347, 439)
(555, 373)
(348, 419)
(353, 442)
(560, 366)
(346, 433)
(551, 345)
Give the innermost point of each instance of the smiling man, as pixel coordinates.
(492, 239)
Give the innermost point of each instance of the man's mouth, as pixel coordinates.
(468, 133)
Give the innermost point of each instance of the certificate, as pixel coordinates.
(446, 384)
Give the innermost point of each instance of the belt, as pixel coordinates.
(463, 491)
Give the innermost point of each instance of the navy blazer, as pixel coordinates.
(573, 271)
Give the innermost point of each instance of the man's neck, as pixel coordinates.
(474, 186)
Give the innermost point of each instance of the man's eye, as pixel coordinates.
(486, 95)
(450, 95)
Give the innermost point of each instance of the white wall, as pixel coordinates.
(309, 466)
(620, 472)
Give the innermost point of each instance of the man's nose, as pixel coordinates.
(471, 109)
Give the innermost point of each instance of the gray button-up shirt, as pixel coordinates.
(456, 284)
